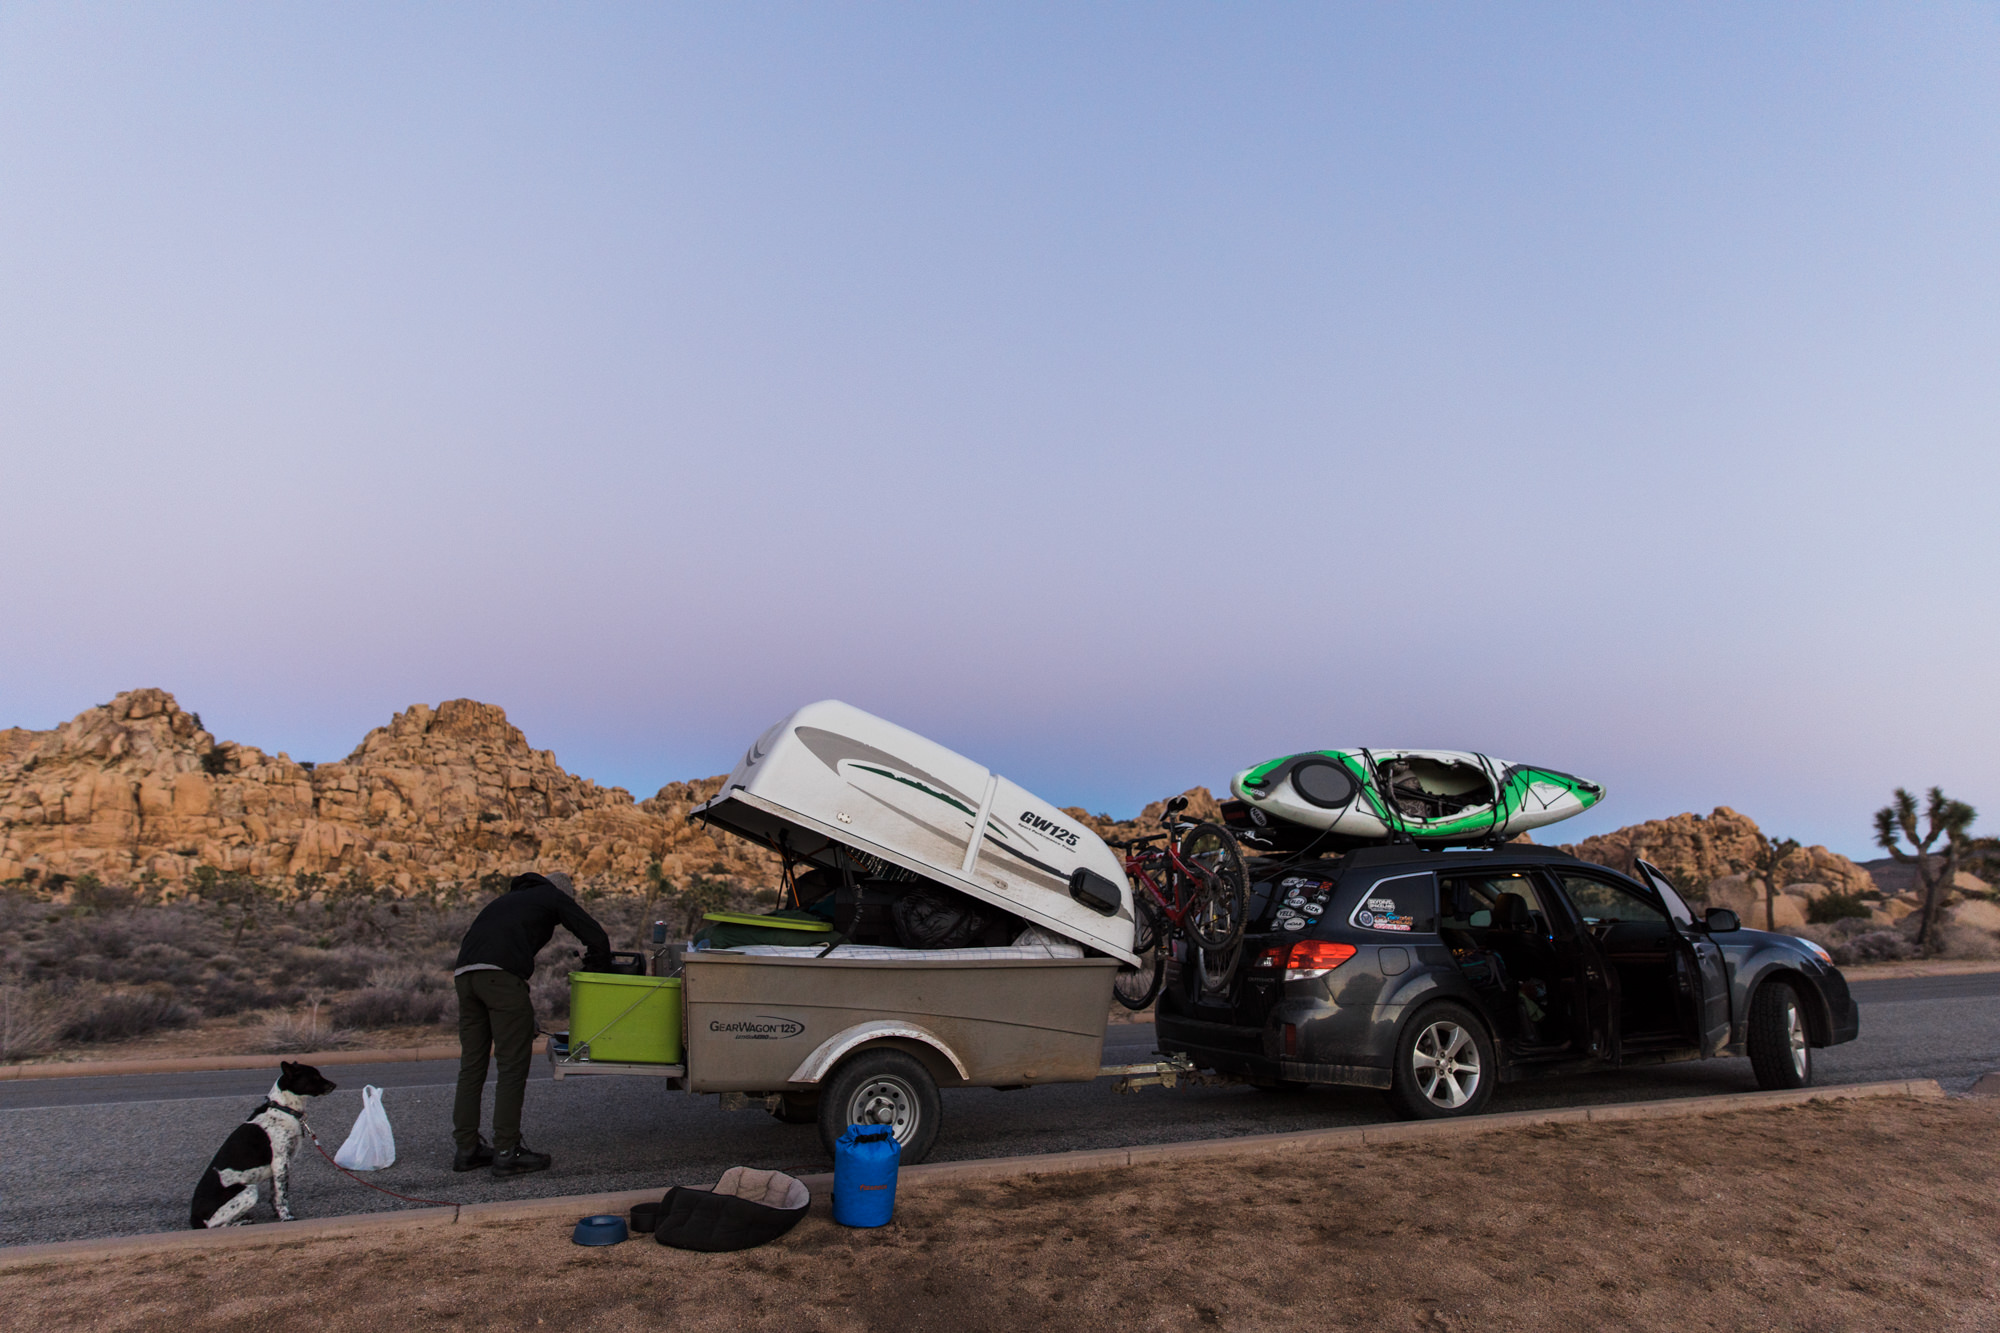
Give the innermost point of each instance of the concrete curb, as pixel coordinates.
(989, 1168)
(201, 1064)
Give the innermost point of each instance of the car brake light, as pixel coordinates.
(1302, 960)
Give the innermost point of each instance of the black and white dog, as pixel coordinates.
(259, 1149)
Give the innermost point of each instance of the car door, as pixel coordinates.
(1632, 931)
(1706, 957)
(1594, 971)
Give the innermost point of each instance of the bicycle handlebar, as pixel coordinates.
(1134, 842)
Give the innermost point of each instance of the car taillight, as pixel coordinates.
(1302, 960)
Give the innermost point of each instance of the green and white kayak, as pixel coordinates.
(1439, 797)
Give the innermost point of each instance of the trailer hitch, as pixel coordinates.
(1170, 1071)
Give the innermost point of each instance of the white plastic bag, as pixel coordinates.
(371, 1144)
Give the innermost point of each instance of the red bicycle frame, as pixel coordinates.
(1170, 905)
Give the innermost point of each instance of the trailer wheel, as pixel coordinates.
(887, 1088)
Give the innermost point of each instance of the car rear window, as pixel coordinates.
(1298, 901)
(1399, 904)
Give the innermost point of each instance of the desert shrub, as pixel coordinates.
(408, 977)
(32, 1019)
(1875, 946)
(222, 996)
(1829, 907)
(381, 1007)
(120, 1016)
(159, 962)
(549, 990)
(343, 968)
(1961, 941)
(302, 1030)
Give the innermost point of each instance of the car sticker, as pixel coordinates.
(1292, 925)
(1364, 917)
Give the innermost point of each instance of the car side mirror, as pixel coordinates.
(1720, 920)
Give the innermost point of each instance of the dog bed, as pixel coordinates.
(746, 1208)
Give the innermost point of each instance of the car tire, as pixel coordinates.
(1445, 1064)
(882, 1087)
(1780, 1042)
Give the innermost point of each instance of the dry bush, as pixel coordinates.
(301, 1030)
(121, 1016)
(549, 990)
(32, 1019)
(1875, 946)
(382, 1007)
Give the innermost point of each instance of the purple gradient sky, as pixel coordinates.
(1122, 395)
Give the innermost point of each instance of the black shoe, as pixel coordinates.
(471, 1159)
(519, 1162)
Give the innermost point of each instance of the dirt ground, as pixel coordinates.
(1870, 1214)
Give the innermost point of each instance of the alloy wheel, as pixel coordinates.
(1795, 1039)
(1446, 1062)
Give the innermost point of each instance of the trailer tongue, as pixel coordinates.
(868, 1034)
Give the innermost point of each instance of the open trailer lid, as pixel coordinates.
(831, 775)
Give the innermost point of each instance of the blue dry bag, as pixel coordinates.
(864, 1176)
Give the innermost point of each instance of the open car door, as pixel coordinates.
(1704, 959)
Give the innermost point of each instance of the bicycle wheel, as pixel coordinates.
(1220, 897)
(1135, 988)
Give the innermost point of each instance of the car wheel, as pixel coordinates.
(1780, 1046)
(1445, 1064)
(882, 1087)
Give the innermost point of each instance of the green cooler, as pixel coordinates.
(625, 1019)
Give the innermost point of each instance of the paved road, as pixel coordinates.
(115, 1156)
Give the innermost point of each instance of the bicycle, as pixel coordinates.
(1195, 887)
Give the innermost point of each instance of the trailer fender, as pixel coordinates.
(821, 1061)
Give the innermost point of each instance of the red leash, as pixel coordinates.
(406, 1198)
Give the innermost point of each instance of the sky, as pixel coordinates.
(1120, 394)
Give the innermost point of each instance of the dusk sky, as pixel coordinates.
(1119, 394)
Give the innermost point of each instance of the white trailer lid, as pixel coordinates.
(831, 774)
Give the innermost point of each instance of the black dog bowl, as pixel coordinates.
(645, 1217)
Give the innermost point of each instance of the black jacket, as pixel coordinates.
(514, 927)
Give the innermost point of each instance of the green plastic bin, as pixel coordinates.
(624, 1019)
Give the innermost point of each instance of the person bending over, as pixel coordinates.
(494, 1012)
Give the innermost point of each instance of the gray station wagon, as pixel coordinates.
(1435, 975)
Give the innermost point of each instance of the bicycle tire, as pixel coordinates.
(1219, 902)
(1137, 987)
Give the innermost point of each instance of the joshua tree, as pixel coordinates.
(1943, 818)
(1771, 855)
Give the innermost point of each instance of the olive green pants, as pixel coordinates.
(494, 1014)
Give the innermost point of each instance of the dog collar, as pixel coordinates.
(270, 1105)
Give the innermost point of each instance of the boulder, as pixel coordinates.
(1695, 850)
(1977, 913)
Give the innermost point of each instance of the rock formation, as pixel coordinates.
(1696, 851)
(136, 790)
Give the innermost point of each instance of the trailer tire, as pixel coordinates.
(882, 1087)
